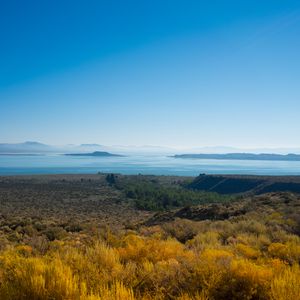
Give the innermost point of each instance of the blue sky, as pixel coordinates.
(170, 73)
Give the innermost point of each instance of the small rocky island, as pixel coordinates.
(95, 154)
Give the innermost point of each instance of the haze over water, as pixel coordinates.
(140, 164)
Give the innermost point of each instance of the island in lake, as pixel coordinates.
(96, 153)
(243, 156)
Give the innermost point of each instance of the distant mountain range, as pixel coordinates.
(27, 147)
(226, 150)
(32, 147)
(39, 148)
(242, 156)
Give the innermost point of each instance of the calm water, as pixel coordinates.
(156, 165)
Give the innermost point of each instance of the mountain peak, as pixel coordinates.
(90, 145)
(32, 143)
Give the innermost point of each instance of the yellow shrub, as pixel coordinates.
(286, 286)
(97, 265)
(116, 292)
(35, 278)
(216, 255)
(247, 251)
(153, 268)
(261, 241)
(142, 249)
(289, 251)
(162, 278)
(24, 250)
(201, 296)
(244, 280)
(209, 239)
(209, 269)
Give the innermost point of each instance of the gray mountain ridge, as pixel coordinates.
(242, 156)
(34, 147)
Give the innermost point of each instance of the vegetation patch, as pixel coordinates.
(69, 238)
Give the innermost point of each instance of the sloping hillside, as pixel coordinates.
(237, 184)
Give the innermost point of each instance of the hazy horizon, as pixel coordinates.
(36, 146)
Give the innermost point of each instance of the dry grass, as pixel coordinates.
(254, 256)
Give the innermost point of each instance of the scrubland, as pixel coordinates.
(253, 254)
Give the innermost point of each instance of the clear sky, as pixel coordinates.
(170, 73)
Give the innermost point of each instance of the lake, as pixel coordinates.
(151, 164)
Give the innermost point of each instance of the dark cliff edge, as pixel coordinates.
(239, 184)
